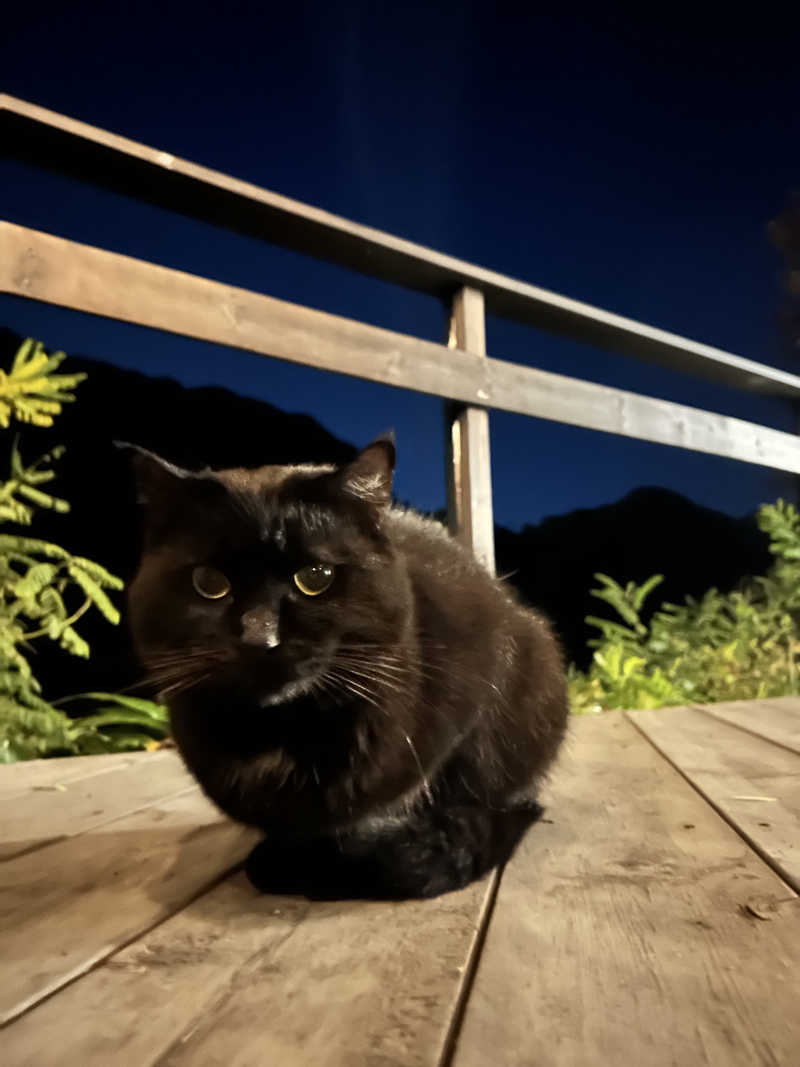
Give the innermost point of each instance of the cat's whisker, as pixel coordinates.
(385, 666)
(176, 671)
(349, 682)
(437, 711)
(425, 783)
(186, 657)
(326, 686)
(391, 682)
(136, 687)
(399, 673)
(374, 676)
(185, 684)
(395, 663)
(357, 689)
(387, 663)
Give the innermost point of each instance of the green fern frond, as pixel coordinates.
(94, 592)
(97, 573)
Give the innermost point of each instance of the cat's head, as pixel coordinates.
(256, 580)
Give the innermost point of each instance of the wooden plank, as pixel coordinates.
(469, 481)
(48, 268)
(238, 978)
(68, 906)
(47, 813)
(62, 144)
(753, 783)
(619, 935)
(776, 720)
(18, 779)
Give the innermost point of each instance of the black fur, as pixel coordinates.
(390, 734)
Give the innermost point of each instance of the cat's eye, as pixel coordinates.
(314, 579)
(210, 583)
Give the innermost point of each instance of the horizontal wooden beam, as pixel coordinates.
(57, 271)
(61, 144)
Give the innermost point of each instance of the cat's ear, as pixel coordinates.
(157, 480)
(370, 475)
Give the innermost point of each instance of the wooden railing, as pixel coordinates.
(49, 268)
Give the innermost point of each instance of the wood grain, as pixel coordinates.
(469, 481)
(60, 143)
(65, 907)
(47, 268)
(753, 783)
(46, 813)
(620, 933)
(777, 720)
(19, 779)
(236, 978)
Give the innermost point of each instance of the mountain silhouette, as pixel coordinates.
(649, 531)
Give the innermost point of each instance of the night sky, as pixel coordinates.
(630, 164)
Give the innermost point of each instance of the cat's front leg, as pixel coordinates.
(434, 852)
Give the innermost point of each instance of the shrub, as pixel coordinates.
(45, 590)
(741, 645)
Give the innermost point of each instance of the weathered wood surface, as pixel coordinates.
(43, 267)
(60, 143)
(241, 979)
(469, 481)
(620, 933)
(233, 977)
(776, 720)
(753, 783)
(71, 904)
(46, 812)
(20, 779)
(635, 925)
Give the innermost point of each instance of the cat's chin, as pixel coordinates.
(289, 691)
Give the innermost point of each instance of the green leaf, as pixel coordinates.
(71, 641)
(98, 573)
(44, 500)
(645, 590)
(121, 717)
(35, 581)
(94, 592)
(147, 707)
(29, 545)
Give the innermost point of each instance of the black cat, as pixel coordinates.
(343, 675)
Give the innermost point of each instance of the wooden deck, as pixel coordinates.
(652, 918)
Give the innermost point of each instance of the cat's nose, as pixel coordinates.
(260, 627)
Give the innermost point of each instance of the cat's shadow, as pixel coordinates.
(231, 895)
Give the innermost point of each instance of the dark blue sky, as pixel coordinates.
(631, 164)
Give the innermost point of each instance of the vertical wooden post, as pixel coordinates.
(469, 469)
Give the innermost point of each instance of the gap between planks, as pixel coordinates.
(621, 931)
(74, 903)
(87, 801)
(247, 979)
(470, 969)
(776, 720)
(751, 782)
(439, 957)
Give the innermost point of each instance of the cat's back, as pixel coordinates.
(428, 547)
(488, 655)
(448, 579)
